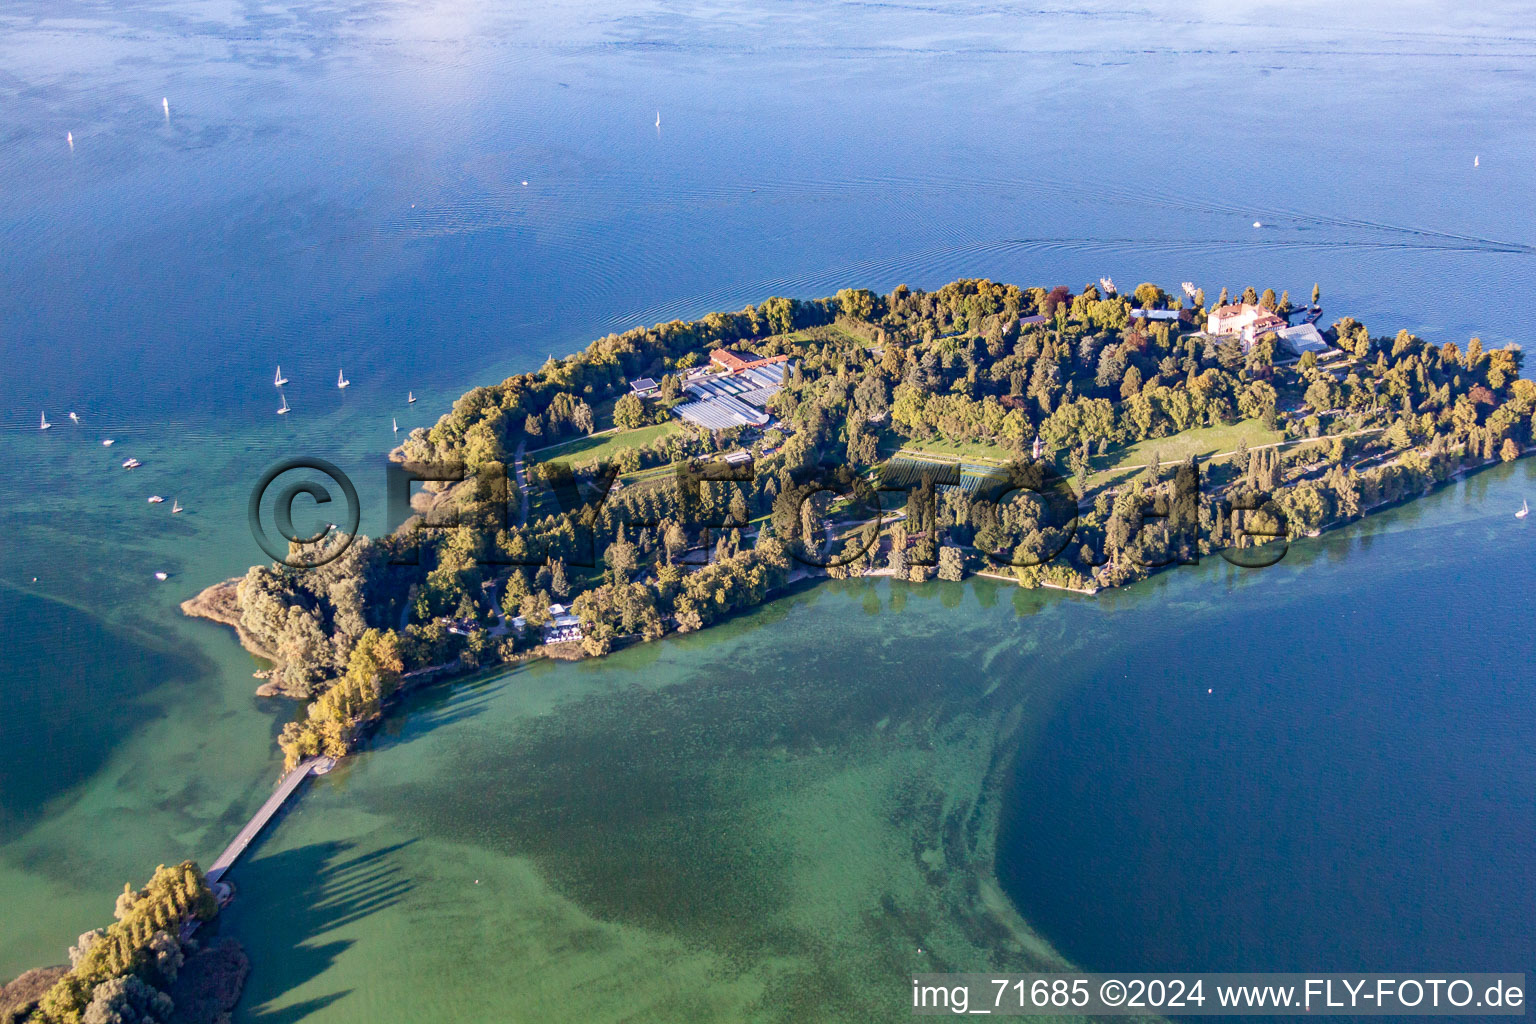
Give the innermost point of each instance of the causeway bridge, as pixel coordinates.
(285, 789)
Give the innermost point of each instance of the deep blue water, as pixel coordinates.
(1332, 770)
(341, 185)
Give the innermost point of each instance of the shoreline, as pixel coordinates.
(980, 906)
(219, 602)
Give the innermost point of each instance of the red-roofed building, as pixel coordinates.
(734, 362)
(1250, 321)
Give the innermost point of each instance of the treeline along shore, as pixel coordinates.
(146, 967)
(669, 476)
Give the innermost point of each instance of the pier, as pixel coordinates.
(285, 789)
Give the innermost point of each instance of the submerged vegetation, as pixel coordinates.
(1075, 419)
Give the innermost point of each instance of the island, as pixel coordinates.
(147, 965)
(666, 477)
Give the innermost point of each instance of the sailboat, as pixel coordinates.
(410, 398)
(341, 381)
(1525, 510)
(155, 499)
(658, 119)
(45, 424)
(75, 417)
(1476, 160)
(279, 380)
(176, 506)
(107, 442)
(395, 423)
(162, 577)
(284, 409)
(132, 464)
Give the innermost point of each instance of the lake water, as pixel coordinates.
(772, 819)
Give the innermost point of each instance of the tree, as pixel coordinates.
(951, 564)
(1269, 417)
(674, 540)
(127, 1000)
(1323, 393)
(856, 303)
(559, 584)
(581, 417)
(1149, 295)
(87, 940)
(629, 412)
(1130, 385)
(1317, 294)
(621, 557)
(534, 608)
(1510, 451)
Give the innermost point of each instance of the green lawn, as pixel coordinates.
(892, 442)
(604, 446)
(1122, 463)
(824, 333)
(981, 450)
(1114, 467)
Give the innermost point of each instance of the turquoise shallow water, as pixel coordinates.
(342, 187)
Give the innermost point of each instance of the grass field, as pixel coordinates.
(1122, 463)
(1116, 466)
(604, 446)
(979, 450)
(892, 442)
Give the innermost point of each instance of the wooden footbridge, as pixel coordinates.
(285, 789)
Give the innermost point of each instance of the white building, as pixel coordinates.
(1248, 321)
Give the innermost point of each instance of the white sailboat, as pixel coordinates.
(395, 423)
(162, 577)
(155, 499)
(176, 506)
(279, 380)
(75, 417)
(658, 119)
(107, 442)
(284, 409)
(45, 424)
(132, 464)
(341, 381)
(410, 398)
(1525, 510)
(1476, 161)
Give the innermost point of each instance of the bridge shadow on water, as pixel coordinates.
(306, 893)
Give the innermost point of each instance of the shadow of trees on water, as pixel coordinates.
(336, 887)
